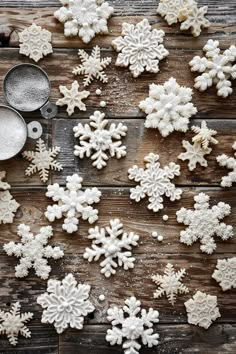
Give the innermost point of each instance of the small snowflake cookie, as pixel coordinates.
(8, 207)
(84, 18)
(168, 107)
(140, 48)
(132, 325)
(230, 163)
(111, 243)
(225, 273)
(204, 222)
(155, 182)
(215, 68)
(65, 304)
(204, 135)
(195, 154)
(35, 42)
(202, 309)
(3, 185)
(97, 140)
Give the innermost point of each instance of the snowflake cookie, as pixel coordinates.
(33, 251)
(202, 309)
(3, 185)
(132, 324)
(195, 154)
(204, 222)
(225, 273)
(140, 48)
(168, 107)
(72, 98)
(84, 18)
(204, 135)
(65, 303)
(170, 283)
(170, 9)
(42, 160)
(8, 207)
(97, 140)
(155, 182)
(92, 66)
(230, 163)
(72, 203)
(12, 323)
(216, 68)
(35, 42)
(111, 242)
(193, 18)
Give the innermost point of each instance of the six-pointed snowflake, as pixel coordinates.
(3, 185)
(12, 323)
(230, 163)
(96, 140)
(72, 203)
(132, 324)
(154, 182)
(193, 18)
(195, 154)
(225, 273)
(170, 283)
(204, 222)
(170, 9)
(8, 207)
(168, 107)
(204, 135)
(140, 48)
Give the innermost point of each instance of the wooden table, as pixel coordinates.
(123, 94)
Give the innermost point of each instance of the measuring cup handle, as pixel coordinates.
(49, 110)
(35, 130)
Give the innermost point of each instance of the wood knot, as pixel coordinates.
(5, 35)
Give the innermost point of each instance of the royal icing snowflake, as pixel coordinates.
(193, 18)
(140, 48)
(72, 203)
(65, 304)
(33, 251)
(215, 68)
(230, 163)
(92, 66)
(204, 222)
(84, 18)
(132, 325)
(111, 243)
(202, 309)
(168, 107)
(225, 273)
(98, 141)
(8, 207)
(170, 283)
(42, 160)
(170, 9)
(3, 185)
(35, 42)
(204, 135)
(195, 154)
(72, 98)
(12, 323)
(155, 182)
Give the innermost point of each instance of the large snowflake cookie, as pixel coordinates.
(12, 323)
(3, 185)
(168, 107)
(195, 154)
(65, 304)
(132, 325)
(204, 135)
(225, 273)
(140, 48)
(111, 243)
(72, 203)
(204, 222)
(230, 163)
(35, 42)
(215, 68)
(155, 182)
(97, 140)
(202, 309)
(84, 18)
(8, 207)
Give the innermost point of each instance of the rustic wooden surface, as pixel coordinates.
(122, 93)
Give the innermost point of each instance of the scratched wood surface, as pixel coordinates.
(122, 93)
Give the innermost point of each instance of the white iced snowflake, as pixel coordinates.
(170, 9)
(97, 140)
(204, 222)
(132, 325)
(92, 66)
(72, 98)
(230, 163)
(111, 242)
(168, 107)
(154, 182)
(140, 48)
(170, 283)
(33, 251)
(12, 323)
(84, 18)
(8, 207)
(216, 68)
(193, 18)
(65, 303)
(195, 154)
(202, 309)
(72, 203)
(225, 273)
(42, 160)
(204, 135)
(3, 185)
(35, 42)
